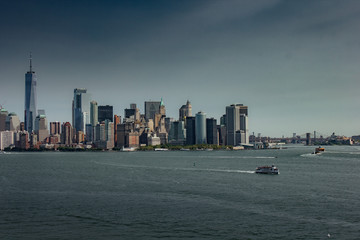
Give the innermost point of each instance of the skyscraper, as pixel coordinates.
(66, 133)
(6, 139)
(130, 113)
(177, 135)
(105, 134)
(185, 111)
(93, 113)
(105, 113)
(236, 124)
(122, 131)
(117, 120)
(162, 110)
(89, 137)
(24, 140)
(132, 105)
(190, 130)
(151, 108)
(159, 120)
(81, 109)
(244, 127)
(30, 99)
(211, 131)
(55, 128)
(41, 127)
(3, 115)
(200, 128)
(222, 134)
(12, 122)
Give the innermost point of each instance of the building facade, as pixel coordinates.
(104, 134)
(211, 131)
(222, 134)
(89, 137)
(123, 131)
(55, 128)
(12, 122)
(24, 140)
(190, 130)
(41, 129)
(244, 128)
(151, 108)
(177, 135)
(117, 120)
(94, 113)
(185, 111)
(6, 139)
(3, 116)
(105, 113)
(66, 134)
(236, 125)
(200, 128)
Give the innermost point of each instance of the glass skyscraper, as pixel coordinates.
(81, 109)
(190, 130)
(105, 112)
(200, 128)
(30, 99)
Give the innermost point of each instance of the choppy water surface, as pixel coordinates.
(181, 195)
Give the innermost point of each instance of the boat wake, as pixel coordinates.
(338, 152)
(236, 157)
(310, 155)
(225, 170)
(354, 153)
(174, 169)
(351, 153)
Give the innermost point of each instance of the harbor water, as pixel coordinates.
(181, 195)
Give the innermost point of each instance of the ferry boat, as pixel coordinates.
(267, 170)
(319, 150)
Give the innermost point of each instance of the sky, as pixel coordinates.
(295, 64)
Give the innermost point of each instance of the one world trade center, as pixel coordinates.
(30, 99)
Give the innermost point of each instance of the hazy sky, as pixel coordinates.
(296, 64)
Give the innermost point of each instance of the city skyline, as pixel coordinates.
(294, 64)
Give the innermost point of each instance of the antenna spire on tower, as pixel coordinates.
(30, 62)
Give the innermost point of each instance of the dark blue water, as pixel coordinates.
(181, 195)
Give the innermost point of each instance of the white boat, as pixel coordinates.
(124, 149)
(238, 148)
(161, 149)
(267, 170)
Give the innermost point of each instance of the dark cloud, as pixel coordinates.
(285, 59)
